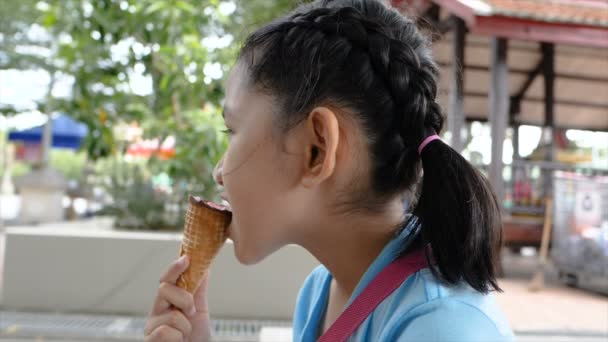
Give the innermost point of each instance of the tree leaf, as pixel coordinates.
(156, 7)
(186, 7)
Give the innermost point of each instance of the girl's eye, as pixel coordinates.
(228, 131)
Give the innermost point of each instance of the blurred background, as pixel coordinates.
(111, 115)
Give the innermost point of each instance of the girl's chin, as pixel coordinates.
(245, 257)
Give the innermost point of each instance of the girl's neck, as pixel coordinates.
(347, 246)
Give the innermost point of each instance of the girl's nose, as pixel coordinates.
(217, 172)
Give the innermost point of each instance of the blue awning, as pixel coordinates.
(67, 133)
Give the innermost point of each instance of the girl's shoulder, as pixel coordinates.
(316, 282)
(425, 308)
(310, 304)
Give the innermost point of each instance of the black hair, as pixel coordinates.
(361, 55)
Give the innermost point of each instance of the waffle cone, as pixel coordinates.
(204, 234)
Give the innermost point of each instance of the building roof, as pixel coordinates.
(580, 22)
(581, 12)
(579, 30)
(581, 81)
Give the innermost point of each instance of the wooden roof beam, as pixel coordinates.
(531, 30)
(542, 99)
(515, 106)
(472, 117)
(515, 70)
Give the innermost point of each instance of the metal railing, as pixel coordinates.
(82, 327)
(527, 183)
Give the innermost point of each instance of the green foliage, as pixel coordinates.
(148, 61)
(197, 152)
(137, 204)
(70, 164)
(250, 15)
(20, 169)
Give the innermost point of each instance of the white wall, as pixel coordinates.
(48, 269)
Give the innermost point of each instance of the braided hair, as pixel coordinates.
(361, 55)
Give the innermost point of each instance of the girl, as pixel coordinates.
(332, 117)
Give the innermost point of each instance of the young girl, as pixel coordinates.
(332, 117)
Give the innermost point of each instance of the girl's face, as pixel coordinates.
(258, 175)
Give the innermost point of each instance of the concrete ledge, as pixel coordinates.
(112, 272)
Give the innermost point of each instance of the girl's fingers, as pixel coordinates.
(175, 270)
(165, 333)
(170, 295)
(200, 295)
(172, 318)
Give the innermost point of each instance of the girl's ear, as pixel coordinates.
(321, 137)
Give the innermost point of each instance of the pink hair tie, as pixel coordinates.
(427, 141)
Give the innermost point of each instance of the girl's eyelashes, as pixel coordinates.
(228, 131)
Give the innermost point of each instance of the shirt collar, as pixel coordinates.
(403, 237)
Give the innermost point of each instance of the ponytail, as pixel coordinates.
(460, 219)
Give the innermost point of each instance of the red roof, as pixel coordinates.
(582, 12)
(579, 22)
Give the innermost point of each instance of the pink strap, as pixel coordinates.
(427, 141)
(387, 281)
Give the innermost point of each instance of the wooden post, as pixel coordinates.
(456, 118)
(47, 131)
(516, 155)
(548, 50)
(47, 141)
(499, 111)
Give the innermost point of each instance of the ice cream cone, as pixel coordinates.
(204, 234)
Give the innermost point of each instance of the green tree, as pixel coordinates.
(161, 63)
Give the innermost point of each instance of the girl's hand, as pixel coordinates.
(177, 315)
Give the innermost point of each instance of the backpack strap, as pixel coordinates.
(385, 283)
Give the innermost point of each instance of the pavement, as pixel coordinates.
(557, 313)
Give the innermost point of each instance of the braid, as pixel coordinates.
(402, 70)
(378, 56)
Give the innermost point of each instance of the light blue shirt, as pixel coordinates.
(421, 309)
